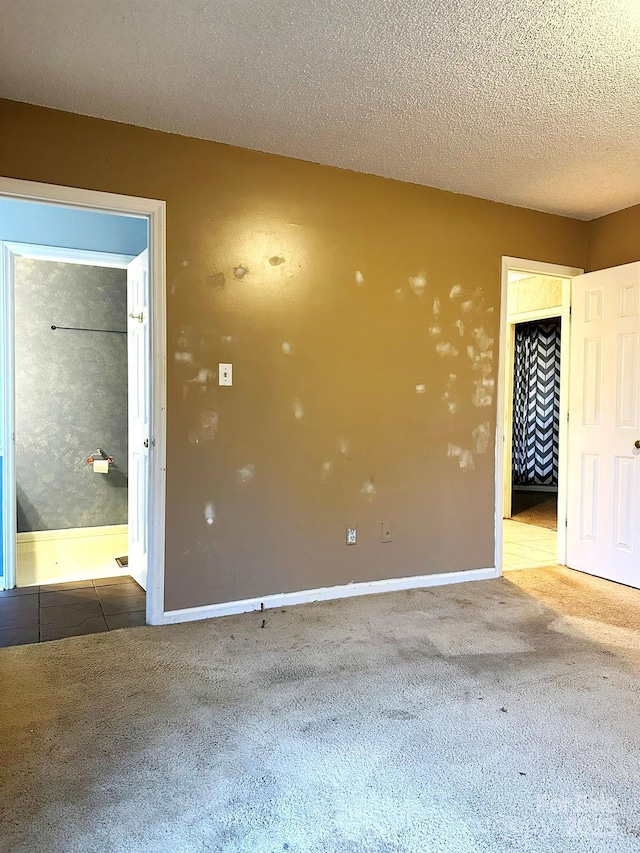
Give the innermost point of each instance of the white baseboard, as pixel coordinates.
(73, 554)
(72, 533)
(328, 593)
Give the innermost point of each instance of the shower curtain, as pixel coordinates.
(536, 403)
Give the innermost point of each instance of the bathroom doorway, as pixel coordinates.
(82, 439)
(532, 477)
(71, 420)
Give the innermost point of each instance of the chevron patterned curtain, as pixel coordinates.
(536, 400)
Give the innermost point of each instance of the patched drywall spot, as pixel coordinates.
(245, 474)
(482, 437)
(343, 446)
(436, 307)
(325, 471)
(286, 347)
(368, 489)
(359, 278)
(448, 398)
(481, 362)
(184, 357)
(276, 260)
(184, 263)
(417, 283)
(399, 294)
(185, 340)
(226, 339)
(460, 327)
(298, 410)
(206, 429)
(209, 425)
(483, 392)
(204, 376)
(466, 461)
(435, 330)
(446, 350)
(483, 339)
(209, 514)
(217, 279)
(473, 301)
(464, 457)
(240, 272)
(420, 388)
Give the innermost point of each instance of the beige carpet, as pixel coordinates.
(476, 717)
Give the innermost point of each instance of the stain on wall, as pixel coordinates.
(382, 405)
(71, 394)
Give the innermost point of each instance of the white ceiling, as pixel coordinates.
(532, 102)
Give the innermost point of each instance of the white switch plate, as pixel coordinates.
(225, 374)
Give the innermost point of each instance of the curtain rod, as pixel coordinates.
(80, 329)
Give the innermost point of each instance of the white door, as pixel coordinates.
(603, 511)
(138, 351)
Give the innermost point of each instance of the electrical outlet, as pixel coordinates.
(352, 535)
(387, 532)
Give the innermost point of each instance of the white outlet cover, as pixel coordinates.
(352, 535)
(225, 374)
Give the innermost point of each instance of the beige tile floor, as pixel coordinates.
(527, 546)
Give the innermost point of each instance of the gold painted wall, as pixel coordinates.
(345, 405)
(614, 239)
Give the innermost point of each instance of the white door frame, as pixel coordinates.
(504, 419)
(155, 212)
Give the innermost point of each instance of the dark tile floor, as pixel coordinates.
(33, 614)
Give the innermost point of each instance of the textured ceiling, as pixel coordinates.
(532, 102)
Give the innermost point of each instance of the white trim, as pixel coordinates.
(327, 593)
(7, 369)
(504, 417)
(72, 533)
(525, 265)
(86, 257)
(79, 554)
(155, 211)
(539, 314)
(79, 198)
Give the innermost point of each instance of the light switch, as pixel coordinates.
(225, 374)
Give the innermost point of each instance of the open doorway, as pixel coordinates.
(82, 438)
(71, 407)
(536, 312)
(536, 422)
